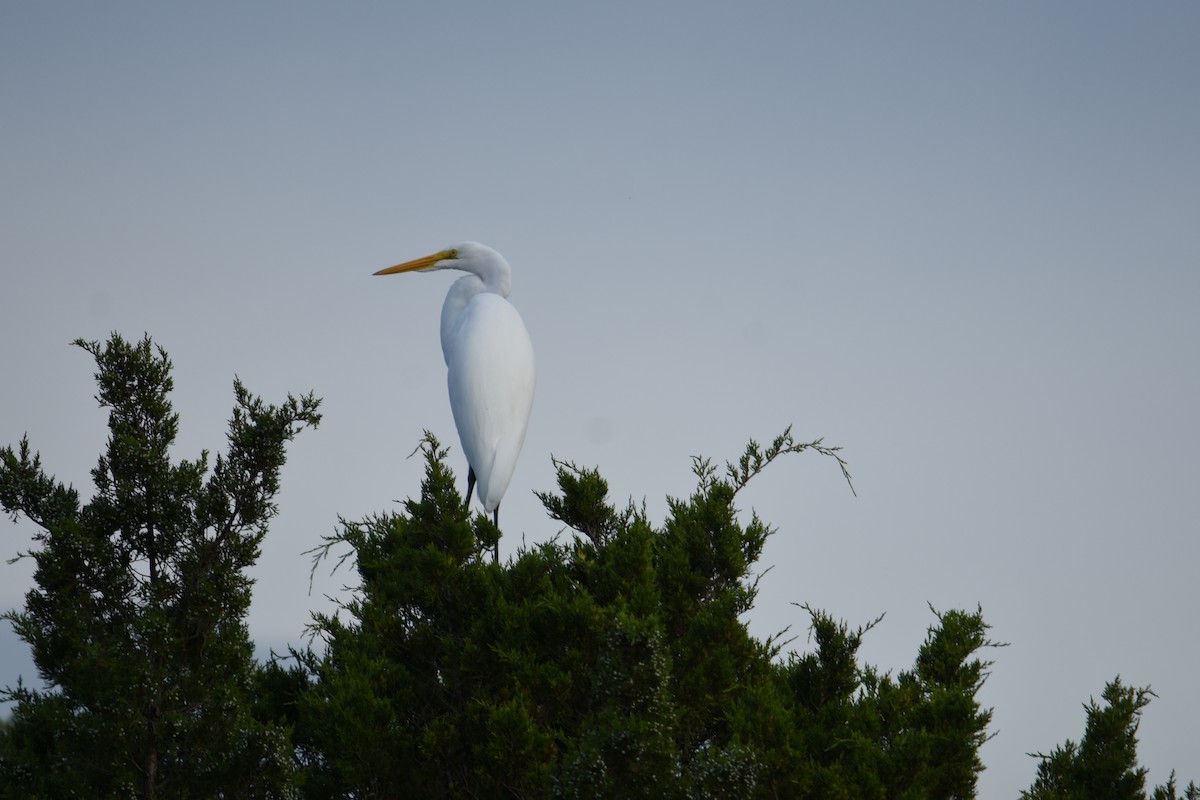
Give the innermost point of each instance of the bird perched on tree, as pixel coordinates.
(489, 365)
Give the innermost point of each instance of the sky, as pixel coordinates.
(958, 240)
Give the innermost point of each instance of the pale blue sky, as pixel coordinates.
(960, 240)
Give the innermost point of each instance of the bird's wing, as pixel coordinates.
(490, 375)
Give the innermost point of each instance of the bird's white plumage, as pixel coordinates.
(490, 376)
(490, 369)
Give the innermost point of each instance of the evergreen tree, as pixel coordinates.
(1103, 765)
(136, 621)
(611, 663)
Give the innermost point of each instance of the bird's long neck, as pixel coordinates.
(488, 272)
(460, 294)
(456, 301)
(494, 273)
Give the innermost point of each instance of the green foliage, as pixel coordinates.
(1103, 766)
(862, 734)
(136, 619)
(611, 661)
(614, 663)
(1169, 791)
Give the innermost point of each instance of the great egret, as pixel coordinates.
(489, 364)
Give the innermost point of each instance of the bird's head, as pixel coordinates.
(468, 256)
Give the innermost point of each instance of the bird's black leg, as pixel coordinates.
(496, 522)
(470, 483)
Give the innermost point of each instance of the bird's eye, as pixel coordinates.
(451, 253)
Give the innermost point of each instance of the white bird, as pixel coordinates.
(489, 363)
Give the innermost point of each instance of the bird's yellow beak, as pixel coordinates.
(418, 264)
